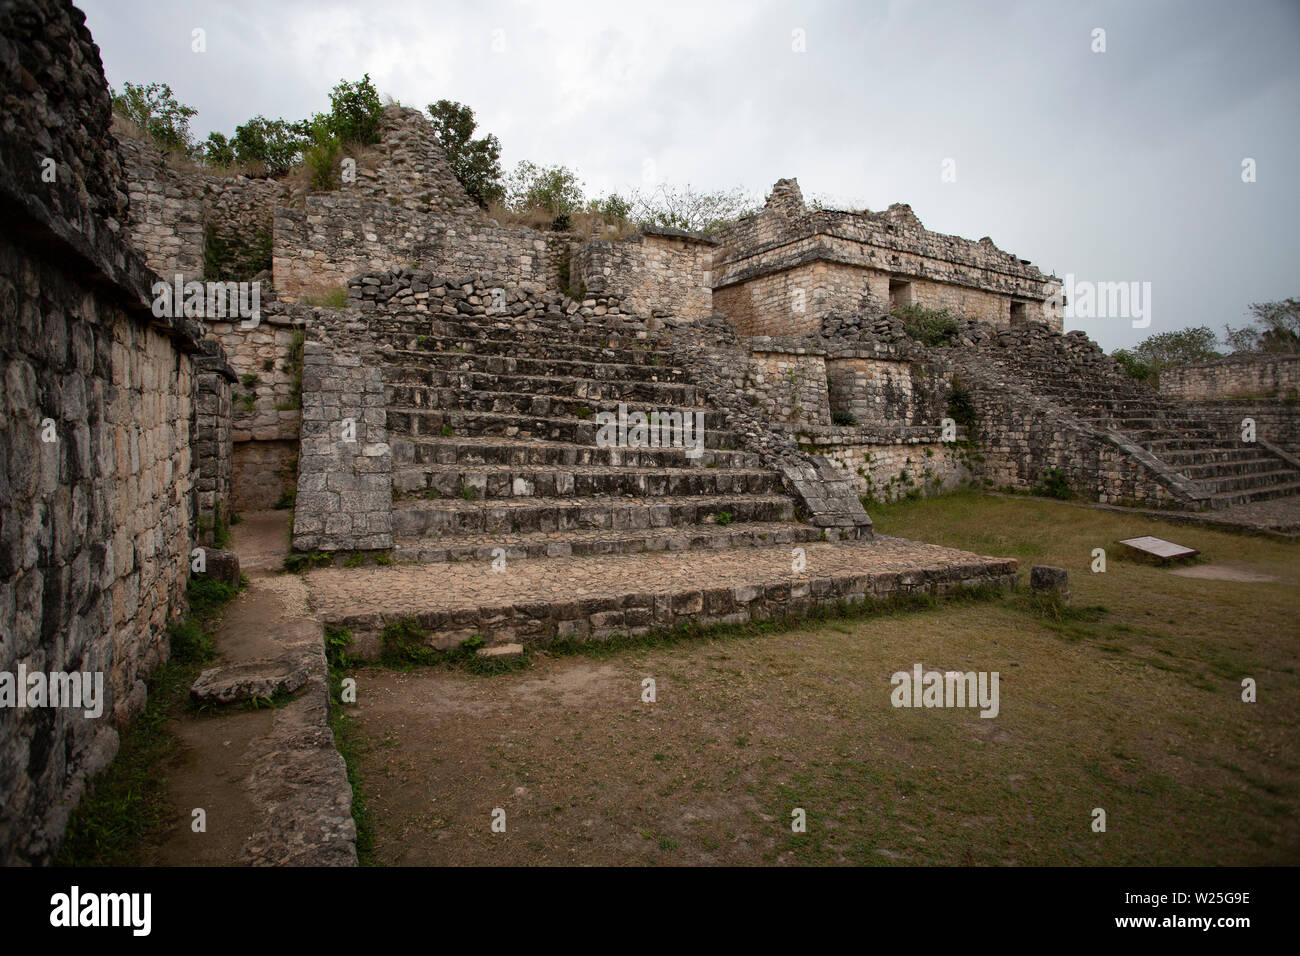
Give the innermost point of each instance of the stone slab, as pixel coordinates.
(1159, 547)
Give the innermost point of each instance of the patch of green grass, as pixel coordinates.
(300, 561)
(125, 808)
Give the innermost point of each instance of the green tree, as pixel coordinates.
(218, 151)
(156, 111)
(1275, 327)
(555, 189)
(275, 143)
(355, 111)
(476, 162)
(1180, 347)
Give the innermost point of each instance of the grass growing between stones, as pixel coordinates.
(1128, 698)
(125, 808)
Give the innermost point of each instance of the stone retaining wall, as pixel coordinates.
(657, 272)
(1237, 375)
(345, 471)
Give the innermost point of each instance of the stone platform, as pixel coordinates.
(533, 601)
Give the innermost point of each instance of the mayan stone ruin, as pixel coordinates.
(642, 428)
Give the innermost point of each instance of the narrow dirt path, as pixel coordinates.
(223, 754)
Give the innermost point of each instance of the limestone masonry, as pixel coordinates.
(426, 387)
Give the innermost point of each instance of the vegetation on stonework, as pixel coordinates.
(1165, 349)
(544, 197)
(476, 162)
(231, 257)
(961, 404)
(1055, 483)
(335, 298)
(1274, 327)
(156, 111)
(124, 811)
(930, 327)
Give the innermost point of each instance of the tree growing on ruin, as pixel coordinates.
(1274, 327)
(557, 190)
(1165, 349)
(156, 110)
(684, 207)
(275, 144)
(476, 162)
(356, 112)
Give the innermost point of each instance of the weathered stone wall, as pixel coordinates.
(893, 470)
(1236, 375)
(345, 473)
(781, 303)
(1277, 421)
(338, 237)
(263, 472)
(97, 479)
(184, 219)
(657, 272)
(872, 260)
(786, 386)
(212, 449)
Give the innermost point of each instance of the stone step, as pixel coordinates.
(1227, 498)
(1248, 482)
(420, 398)
(537, 364)
(658, 393)
(1208, 455)
(521, 349)
(1244, 466)
(591, 597)
(440, 335)
(519, 451)
(456, 516)
(550, 544)
(513, 451)
(429, 423)
(514, 481)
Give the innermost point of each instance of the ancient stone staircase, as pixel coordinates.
(490, 440)
(493, 426)
(1088, 387)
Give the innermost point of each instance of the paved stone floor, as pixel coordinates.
(338, 593)
(1276, 514)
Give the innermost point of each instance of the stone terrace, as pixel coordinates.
(538, 600)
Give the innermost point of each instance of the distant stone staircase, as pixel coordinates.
(1071, 374)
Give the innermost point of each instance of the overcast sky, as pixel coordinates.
(1123, 165)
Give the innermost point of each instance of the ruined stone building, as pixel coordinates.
(425, 383)
(782, 271)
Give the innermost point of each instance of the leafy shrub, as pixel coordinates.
(356, 112)
(555, 190)
(218, 151)
(1055, 484)
(961, 406)
(1135, 367)
(275, 144)
(156, 111)
(930, 327)
(847, 419)
(322, 159)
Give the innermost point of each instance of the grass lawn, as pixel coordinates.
(1130, 702)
